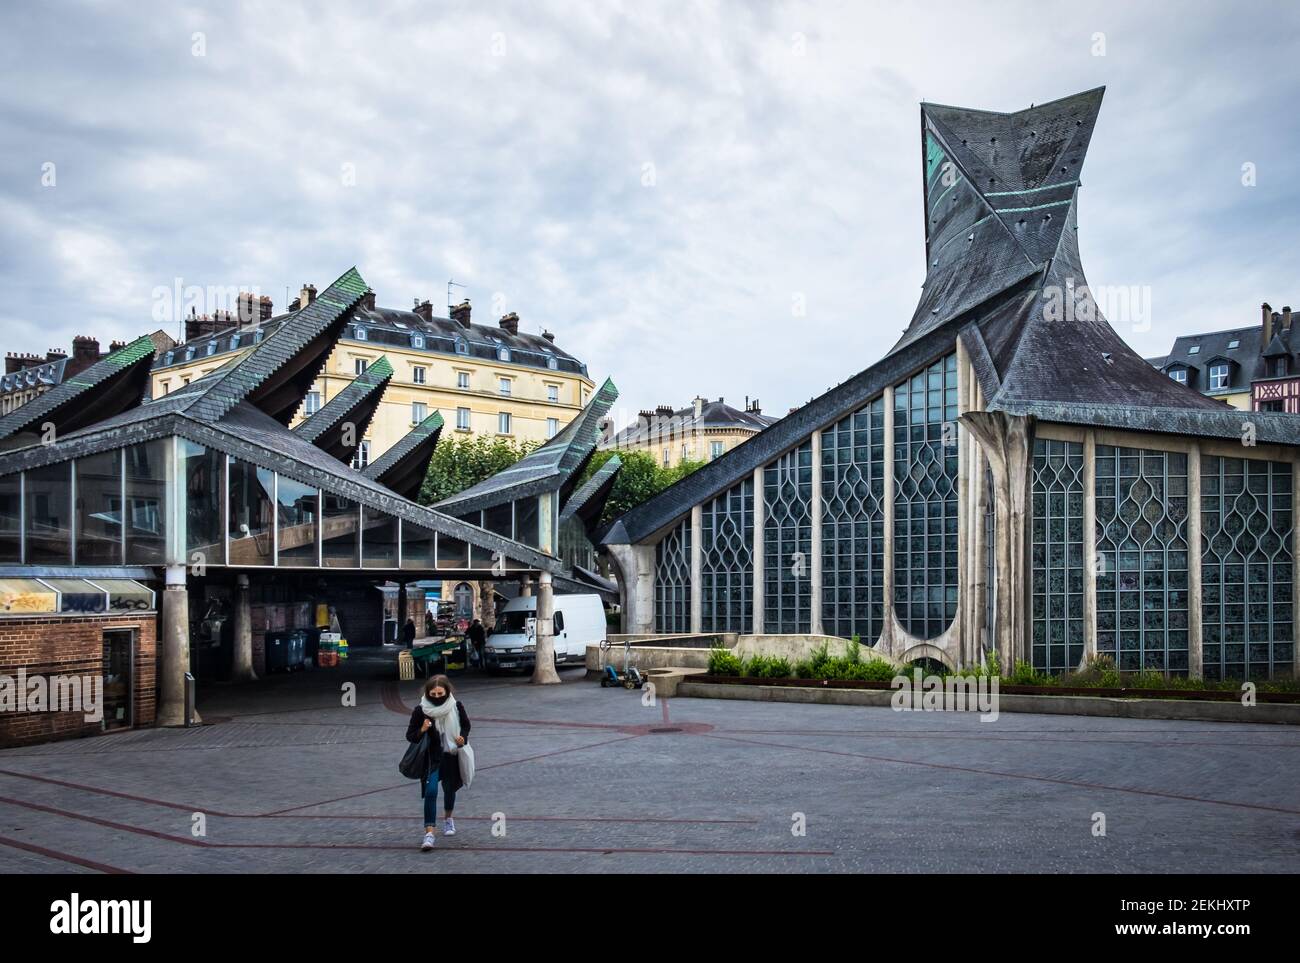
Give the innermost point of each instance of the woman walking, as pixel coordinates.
(440, 712)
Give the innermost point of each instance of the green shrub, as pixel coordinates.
(724, 662)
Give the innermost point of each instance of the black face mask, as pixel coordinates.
(439, 700)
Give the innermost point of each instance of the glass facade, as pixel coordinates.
(146, 502)
(49, 514)
(340, 530)
(378, 539)
(298, 518)
(673, 580)
(205, 502)
(1246, 569)
(99, 509)
(787, 542)
(526, 522)
(1057, 562)
(419, 545)
(853, 525)
(252, 514)
(727, 567)
(925, 499)
(1142, 559)
(11, 519)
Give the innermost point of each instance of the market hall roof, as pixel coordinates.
(338, 426)
(588, 501)
(112, 384)
(403, 466)
(555, 466)
(241, 409)
(1003, 273)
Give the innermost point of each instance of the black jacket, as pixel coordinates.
(450, 775)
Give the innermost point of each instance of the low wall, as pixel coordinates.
(1051, 705)
(648, 657)
(800, 648)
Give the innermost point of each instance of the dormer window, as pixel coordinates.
(212, 348)
(461, 346)
(360, 333)
(417, 341)
(1219, 376)
(234, 341)
(189, 354)
(1194, 349)
(1280, 368)
(1234, 344)
(170, 357)
(552, 362)
(503, 353)
(1179, 375)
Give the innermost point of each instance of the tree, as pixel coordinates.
(639, 480)
(463, 461)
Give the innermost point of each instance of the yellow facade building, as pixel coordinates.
(701, 432)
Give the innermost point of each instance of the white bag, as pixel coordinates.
(465, 754)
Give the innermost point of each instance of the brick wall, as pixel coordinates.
(71, 645)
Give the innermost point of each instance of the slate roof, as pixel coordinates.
(355, 405)
(1003, 273)
(1195, 352)
(588, 502)
(402, 468)
(240, 410)
(554, 466)
(651, 426)
(111, 385)
(394, 327)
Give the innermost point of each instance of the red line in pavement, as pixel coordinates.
(65, 857)
(511, 762)
(110, 792)
(1014, 775)
(206, 844)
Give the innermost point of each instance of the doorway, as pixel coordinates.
(119, 666)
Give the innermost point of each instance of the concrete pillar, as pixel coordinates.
(401, 613)
(760, 562)
(1295, 569)
(697, 568)
(487, 603)
(1008, 443)
(634, 568)
(525, 587)
(173, 650)
(1090, 561)
(815, 563)
(1195, 634)
(544, 666)
(241, 669)
(967, 517)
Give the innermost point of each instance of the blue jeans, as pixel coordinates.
(431, 800)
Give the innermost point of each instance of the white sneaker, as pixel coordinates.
(449, 827)
(428, 843)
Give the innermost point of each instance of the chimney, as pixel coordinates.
(549, 336)
(307, 295)
(1286, 317)
(368, 300)
(13, 362)
(244, 308)
(460, 313)
(510, 322)
(116, 346)
(1268, 324)
(85, 352)
(265, 308)
(699, 407)
(54, 354)
(425, 310)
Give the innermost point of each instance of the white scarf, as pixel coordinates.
(445, 719)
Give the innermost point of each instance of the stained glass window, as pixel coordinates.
(853, 525)
(673, 580)
(1246, 569)
(787, 542)
(1057, 559)
(925, 499)
(727, 569)
(1142, 559)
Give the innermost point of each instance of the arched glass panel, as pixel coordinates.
(925, 499)
(787, 542)
(853, 525)
(727, 567)
(1057, 556)
(673, 580)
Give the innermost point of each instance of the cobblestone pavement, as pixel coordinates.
(583, 779)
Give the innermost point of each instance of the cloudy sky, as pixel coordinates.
(698, 198)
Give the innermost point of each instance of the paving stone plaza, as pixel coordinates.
(290, 780)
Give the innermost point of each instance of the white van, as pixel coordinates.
(579, 622)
